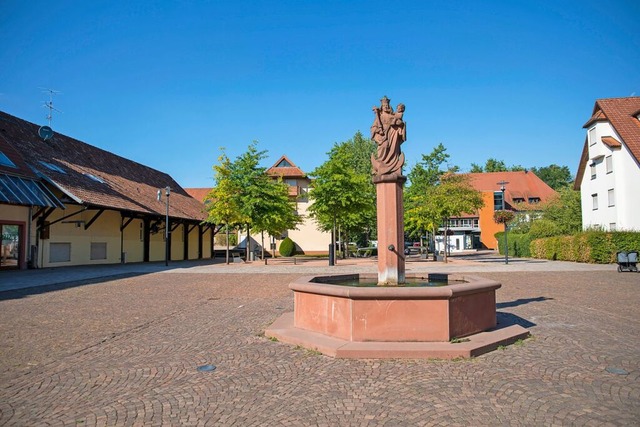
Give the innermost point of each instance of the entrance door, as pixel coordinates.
(11, 245)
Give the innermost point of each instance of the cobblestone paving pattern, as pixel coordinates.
(126, 351)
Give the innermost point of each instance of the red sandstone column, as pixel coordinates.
(390, 229)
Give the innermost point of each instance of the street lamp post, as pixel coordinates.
(167, 192)
(506, 241)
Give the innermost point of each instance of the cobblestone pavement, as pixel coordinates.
(125, 351)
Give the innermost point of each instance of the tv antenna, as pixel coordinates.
(49, 104)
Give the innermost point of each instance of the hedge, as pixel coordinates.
(590, 246)
(519, 244)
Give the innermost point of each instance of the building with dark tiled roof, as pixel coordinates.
(609, 170)
(102, 208)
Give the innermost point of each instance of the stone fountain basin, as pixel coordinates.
(394, 313)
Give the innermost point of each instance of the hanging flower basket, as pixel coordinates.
(503, 216)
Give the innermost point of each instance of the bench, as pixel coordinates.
(283, 258)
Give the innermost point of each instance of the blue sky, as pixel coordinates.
(168, 83)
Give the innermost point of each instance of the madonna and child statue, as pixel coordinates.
(389, 132)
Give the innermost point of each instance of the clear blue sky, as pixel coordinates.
(169, 83)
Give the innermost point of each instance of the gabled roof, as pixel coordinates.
(94, 177)
(520, 185)
(622, 113)
(286, 169)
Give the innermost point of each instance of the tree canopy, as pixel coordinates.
(494, 165)
(245, 195)
(342, 190)
(555, 176)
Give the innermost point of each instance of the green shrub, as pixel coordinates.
(592, 246)
(544, 228)
(518, 244)
(287, 247)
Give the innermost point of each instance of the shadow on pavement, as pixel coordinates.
(521, 301)
(36, 290)
(508, 319)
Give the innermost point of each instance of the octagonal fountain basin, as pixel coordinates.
(436, 307)
(437, 315)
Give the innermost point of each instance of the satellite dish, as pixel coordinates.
(45, 132)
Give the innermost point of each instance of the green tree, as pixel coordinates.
(565, 211)
(342, 192)
(222, 206)
(555, 176)
(476, 168)
(423, 177)
(494, 165)
(452, 197)
(258, 202)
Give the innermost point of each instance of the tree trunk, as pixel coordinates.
(248, 244)
(227, 258)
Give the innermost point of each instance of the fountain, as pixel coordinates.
(391, 320)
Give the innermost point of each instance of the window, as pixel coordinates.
(98, 250)
(59, 252)
(5, 161)
(609, 163)
(612, 226)
(52, 167)
(594, 202)
(518, 200)
(284, 164)
(533, 200)
(612, 197)
(593, 170)
(592, 136)
(94, 178)
(497, 200)
(291, 182)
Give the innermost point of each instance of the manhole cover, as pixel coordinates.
(206, 368)
(617, 371)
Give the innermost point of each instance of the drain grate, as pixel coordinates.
(617, 371)
(206, 368)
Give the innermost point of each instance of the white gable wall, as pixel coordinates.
(624, 179)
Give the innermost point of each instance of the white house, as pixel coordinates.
(609, 172)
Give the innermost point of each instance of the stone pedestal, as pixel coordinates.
(391, 270)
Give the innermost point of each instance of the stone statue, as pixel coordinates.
(388, 131)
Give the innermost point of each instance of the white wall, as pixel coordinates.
(624, 180)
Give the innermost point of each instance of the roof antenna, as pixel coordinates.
(49, 104)
(46, 132)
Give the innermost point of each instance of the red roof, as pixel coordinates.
(520, 185)
(622, 113)
(286, 169)
(95, 177)
(198, 193)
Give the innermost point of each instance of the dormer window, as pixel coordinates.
(534, 200)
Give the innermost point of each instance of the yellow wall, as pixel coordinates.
(14, 213)
(107, 229)
(102, 230)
